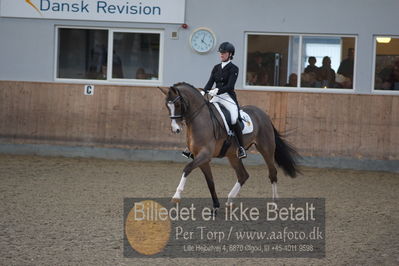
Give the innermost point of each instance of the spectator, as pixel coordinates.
(117, 69)
(308, 80)
(292, 80)
(390, 77)
(312, 65)
(251, 78)
(325, 74)
(346, 66)
(140, 73)
(259, 75)
(343, 82)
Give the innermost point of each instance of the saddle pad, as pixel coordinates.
(248, 125)
(246, 119)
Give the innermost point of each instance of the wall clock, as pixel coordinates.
(202, 40)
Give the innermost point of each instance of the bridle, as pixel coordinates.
(184, 107)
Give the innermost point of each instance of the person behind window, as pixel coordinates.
(262, 77)
(140, 73)
(385, 78)
(346, 66)
(308, 79)
(103, 72)
(259, 70)
(325, 74)
(255, 62)
(117, 70)
(395, 75)
(388, 77)
(292, 80)
(312, 65)
(251, 78)
(343, 82)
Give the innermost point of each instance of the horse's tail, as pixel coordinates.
(285, 155)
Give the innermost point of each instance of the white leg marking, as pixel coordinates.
(274, 190)
(180, 187)
(233, 193)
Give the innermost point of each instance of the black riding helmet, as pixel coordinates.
(227, 47)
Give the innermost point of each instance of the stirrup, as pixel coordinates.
(186, 153)
(241, 153)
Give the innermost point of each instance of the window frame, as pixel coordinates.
(109, 79)
(354, 90)
(373, 90)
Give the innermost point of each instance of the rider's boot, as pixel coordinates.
(241, 153)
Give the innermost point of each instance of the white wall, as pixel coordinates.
(27, 45)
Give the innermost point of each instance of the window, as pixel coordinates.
(135, 55)
(82, 53)
(386, 76)
(301, 61)
(270, 59)
(106, 54)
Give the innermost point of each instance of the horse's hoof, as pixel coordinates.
(215, 211)
(175, 200)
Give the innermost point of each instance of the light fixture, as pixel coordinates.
(383, 39)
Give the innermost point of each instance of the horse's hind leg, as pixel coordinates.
(206, 170)
(242, 176)
(267, 152)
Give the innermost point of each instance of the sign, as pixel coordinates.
(250, 228)
(89, 90)
(153, 11)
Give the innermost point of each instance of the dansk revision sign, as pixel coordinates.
(152, 11)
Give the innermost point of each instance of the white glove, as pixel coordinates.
(214, 92)
(202, 92)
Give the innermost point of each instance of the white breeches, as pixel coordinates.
(229, 103)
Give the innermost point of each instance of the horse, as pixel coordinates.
(206, 135)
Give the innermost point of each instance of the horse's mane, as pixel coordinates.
(185, 84)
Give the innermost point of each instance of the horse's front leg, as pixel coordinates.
(203, 157)
(206, 170)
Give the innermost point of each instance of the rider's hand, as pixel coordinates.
(214, 92)
(202, 92)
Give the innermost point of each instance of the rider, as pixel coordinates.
(225, 75)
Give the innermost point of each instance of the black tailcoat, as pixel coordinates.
(225, 79)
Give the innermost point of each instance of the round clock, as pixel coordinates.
(202, 40)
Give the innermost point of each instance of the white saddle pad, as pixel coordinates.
(248, 125)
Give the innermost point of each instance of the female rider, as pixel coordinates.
(225, 75)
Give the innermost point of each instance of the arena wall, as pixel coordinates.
(318, 124)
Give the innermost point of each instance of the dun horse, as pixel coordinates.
(185, 103)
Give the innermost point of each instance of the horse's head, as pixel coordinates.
(177, 107)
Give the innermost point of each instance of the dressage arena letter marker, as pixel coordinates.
(89, 90)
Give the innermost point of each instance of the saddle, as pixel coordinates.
(244, 121)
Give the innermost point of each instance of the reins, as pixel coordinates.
(188, 119)
(178, 97)
(213, 118)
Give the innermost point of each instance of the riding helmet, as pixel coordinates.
(227, 47)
